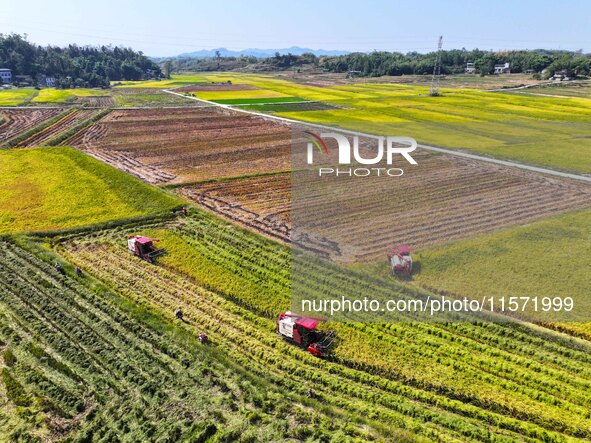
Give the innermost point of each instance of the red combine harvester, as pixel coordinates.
(301, 331)
(143, 247)
(400, 260)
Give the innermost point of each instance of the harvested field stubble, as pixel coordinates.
(69, 121)
(96, 101)
(444, 198)
(180, 145)
(20, 120)
(262, 203)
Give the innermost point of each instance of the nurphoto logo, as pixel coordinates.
(386, 146)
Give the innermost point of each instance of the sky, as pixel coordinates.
(170, 27)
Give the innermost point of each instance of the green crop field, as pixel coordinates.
(547, 259)
(544, 259)
(439, 381)
(262, 99)
(81, 361)
(15, 97)
(52, 95)
(57, 188)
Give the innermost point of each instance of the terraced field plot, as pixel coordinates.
(18, 121)
(149, 97)
(68, 122)
(179, 145)
(452, 380)
(440, 200)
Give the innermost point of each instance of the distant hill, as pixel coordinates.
(259, 53)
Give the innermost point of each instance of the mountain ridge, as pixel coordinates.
(259, 53)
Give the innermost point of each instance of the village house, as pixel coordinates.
(503, 69)
(6, 75)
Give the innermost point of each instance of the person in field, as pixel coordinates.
(58, 267)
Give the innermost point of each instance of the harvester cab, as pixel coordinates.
(144, 248)
(400, 260)
(301, 331)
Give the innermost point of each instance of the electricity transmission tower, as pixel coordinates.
(434, 92)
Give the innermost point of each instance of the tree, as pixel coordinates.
(167, 68)
(91, 66)
(486, 64)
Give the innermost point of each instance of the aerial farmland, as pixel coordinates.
(162, 230)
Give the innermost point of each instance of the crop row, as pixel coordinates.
(498, 377)
(70, 120)
(19, 121)
(250, 340)
(86, 363)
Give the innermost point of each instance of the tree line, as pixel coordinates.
(540, 62)
(75, 65)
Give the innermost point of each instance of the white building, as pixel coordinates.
(502, 69)
(6, 75)
(44, 80)
(470, 68)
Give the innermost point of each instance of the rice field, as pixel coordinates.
(546, 131)
(48, 189)
(101, 356)
(52, 95)
(15, 97)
